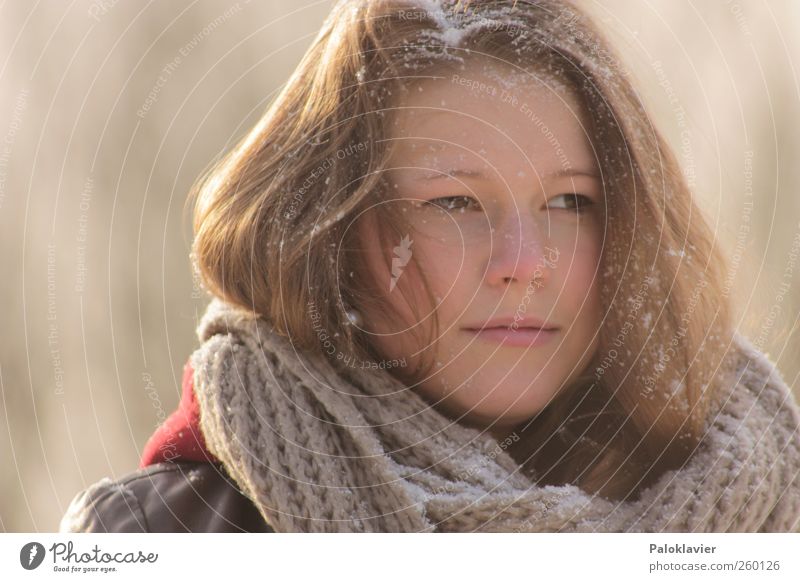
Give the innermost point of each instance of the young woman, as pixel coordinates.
(460, 284)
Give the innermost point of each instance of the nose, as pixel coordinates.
(520, 252)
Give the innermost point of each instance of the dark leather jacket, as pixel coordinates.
(179, 496)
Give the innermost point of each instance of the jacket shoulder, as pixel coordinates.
(165, 497)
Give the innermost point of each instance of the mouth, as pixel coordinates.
(512, 328)
(515, 336)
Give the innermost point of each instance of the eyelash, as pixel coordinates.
(575, 196)
(579, 209)
(433, 202)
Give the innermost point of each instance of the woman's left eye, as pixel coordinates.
(572, 201)
(461, 203)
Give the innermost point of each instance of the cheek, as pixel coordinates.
(456, 275)
(448, 274)
(577, 273)
(445, 267)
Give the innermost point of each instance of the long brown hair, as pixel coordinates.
(274, 226)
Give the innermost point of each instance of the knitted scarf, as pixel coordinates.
(316, 452)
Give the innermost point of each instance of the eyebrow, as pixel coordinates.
(459, 173)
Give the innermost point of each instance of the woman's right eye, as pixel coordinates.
(451, 203)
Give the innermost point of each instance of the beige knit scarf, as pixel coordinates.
(318, 453)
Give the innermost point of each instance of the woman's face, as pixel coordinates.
(501, 187)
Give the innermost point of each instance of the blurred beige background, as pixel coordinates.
(97, 155)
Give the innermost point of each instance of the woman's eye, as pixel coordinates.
(572, 201)
(451, 203)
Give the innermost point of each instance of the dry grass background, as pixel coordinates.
(100, 301)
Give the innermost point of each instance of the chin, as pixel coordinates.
(504, 418)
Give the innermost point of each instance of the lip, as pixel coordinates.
(523, 337)
(508, 321)
(529, 331)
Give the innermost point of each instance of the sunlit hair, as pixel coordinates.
(274, 226)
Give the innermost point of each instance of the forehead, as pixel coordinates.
(491, 111)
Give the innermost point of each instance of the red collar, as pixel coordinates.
(179, 437)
